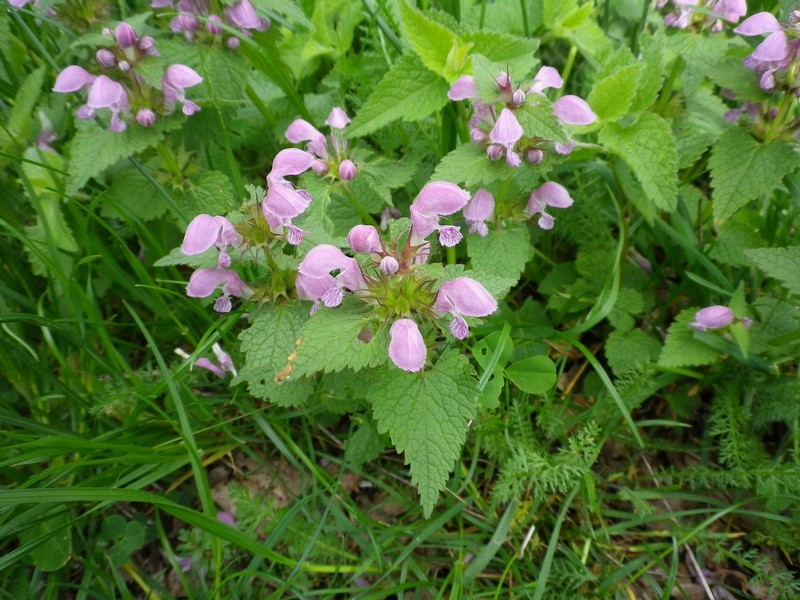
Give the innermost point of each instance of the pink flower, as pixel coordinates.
(406, 347)
(464, 297)
(205, 232)
(546, 77)
(548, 194)
(106, 93)
(506, 132)
(283, 201)
(776, 48)
(435, 200)
(174, 84)
(72, 79)
(315, 282)
(221, 370)
(303, 131)
(204, 282)
(478, 210)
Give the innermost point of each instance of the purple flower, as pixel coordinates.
(315, 282)
(125, 35)
(206, 231)
(283, 201)
(244, 16)
(435, 200)
(173, 85)
(406, 347)
(506, 132)
(712, 317)
(478, 210)
(204, 282)
(106, 93)
(546, 77)
(221, 370)
(464, 297)
(548, 194)
(776, 46)
(303, 131)
(226, 517)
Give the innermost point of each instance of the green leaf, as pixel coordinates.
(781, 263)
(484, 349)
(468, 164)
(134, 191)
(742, 169)
(648, 147)
(268, 344)
(431, 41)
(94, 149)
(612, 96)
(539, 121)
(19, 122)
(426, 415)
(630, 351)
(409, 91)
(733, 240)
(515, 54)
(331, 342)
(652, 77)
(363, 445)
(534, 375)
(212, 194)
(55, 553)
(503, 252)
(681, 349)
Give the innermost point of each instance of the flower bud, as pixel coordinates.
(124, 66)
(320, 167)
(477, 135)
(406, 347)
(518, 97)
(188, 23)
(494, 151)
(389, 265)
(125, 35)
(365, 239)
(147, 46)
(145, 117)
(106, 58)
(233, 43)
(347, 169)
(211, 25)
(534, 156)
(712, 317)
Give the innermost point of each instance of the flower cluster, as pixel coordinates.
(393, 284)
(120, 89)
(495, 125)
(336, 162)
(776, 59)
(195, 18)
(684, 13)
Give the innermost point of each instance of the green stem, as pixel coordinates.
(525, 26)
(666, 93)
(359, 208)
(565, 73)
(777, 125)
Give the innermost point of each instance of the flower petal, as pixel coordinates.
(573, 111)
(547, 77)
(290, 161)
(774, 48)
(72, 79)
(507, 129)
(463, 89)
(758, 24)
(338, 119)
(465, 296)
(553, 194)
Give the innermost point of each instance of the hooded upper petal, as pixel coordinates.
(480, 207)
(107, 93)
(289, 161)
(573, 111)
(338, 119)
(465, 296)
(302, 131)
(72, 79)
(547, 77)
(203, 282)
(436, 199)
(463, 89)
(206, 231)
(551, 194)
(759, 23)
(182, 77)
(712, 317)
(364, 239)
(774, 48)
(242, 14)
